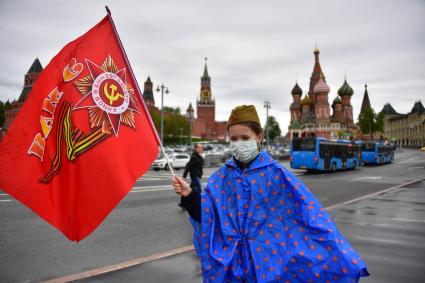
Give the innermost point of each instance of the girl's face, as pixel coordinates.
(243, 133)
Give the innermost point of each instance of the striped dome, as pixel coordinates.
(345, 90)
(297, 90)
(337, 100)
(294, 105)
(321, 87)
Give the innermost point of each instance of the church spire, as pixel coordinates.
(317, 70)
(205, 94)
(30, 77)
(206, 69)
(366, 101)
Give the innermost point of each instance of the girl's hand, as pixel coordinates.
(181, 187)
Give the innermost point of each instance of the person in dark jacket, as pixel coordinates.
(194, 169)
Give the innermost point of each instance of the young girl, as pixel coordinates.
(256, 222)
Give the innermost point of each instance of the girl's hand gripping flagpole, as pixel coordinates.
(138, 89)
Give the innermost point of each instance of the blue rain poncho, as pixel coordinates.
(264, 225)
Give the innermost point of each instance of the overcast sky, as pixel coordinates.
(256, 49)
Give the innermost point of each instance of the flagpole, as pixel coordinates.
(138, 89)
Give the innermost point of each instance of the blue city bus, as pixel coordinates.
(319, 154)
(377, 153)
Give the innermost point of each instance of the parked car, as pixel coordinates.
(159, 163)
(177, 160)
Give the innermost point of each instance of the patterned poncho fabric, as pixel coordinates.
(264, 225)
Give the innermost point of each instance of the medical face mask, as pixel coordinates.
(244, 151)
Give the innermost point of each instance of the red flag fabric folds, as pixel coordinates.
(82, 138)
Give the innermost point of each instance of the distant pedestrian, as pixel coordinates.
(194, 169)
(256, 222)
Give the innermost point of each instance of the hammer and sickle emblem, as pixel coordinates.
(113, 96)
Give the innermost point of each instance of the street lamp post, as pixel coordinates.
(190, 114)
(267, 106)
(181, 135)
(158, 89)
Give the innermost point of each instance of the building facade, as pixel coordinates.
(204, 125)
(311, 115)
(405, 130)
(30, 78)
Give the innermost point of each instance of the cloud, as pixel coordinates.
(256, 50)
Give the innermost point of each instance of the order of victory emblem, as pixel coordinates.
(109, 99)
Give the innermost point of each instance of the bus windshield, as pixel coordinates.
(308, 144)
(368, 147)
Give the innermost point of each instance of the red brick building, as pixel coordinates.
(30, 77)
(311, 116)
(205, 126)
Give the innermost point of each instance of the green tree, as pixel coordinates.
(380, 121)
(370, 122)
(173, 122)
(176, 128)
(172, 110)
(3, 106)
(1, 113)
(274, 129)
(156, 118)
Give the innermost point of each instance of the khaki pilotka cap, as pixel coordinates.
(243, 113)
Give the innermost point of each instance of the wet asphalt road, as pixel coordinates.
(387, 230)
(148, 221)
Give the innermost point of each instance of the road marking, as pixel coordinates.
(181, 250)
(411, 160)
(151, 190)
(150, 179)
(379, 240)
(366, 178)
(118, 266)
(3, 194)
(409, 220)
(374, 194)
(5, 200)
(144, 187)
(417, 167)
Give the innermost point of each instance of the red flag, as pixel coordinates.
(82, 138)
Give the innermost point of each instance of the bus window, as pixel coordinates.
(304, 144)
(368, 147)
(350, 151)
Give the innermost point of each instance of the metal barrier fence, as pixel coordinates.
(212, 160)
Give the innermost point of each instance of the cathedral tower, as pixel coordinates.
(321, 107)
(315, 75)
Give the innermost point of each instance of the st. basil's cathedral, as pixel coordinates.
(311, 114)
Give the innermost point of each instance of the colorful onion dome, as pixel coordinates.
(321, 87)
(345, 90)
(337, 100)
(306, 100)
(297, 90)
(294, 105)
